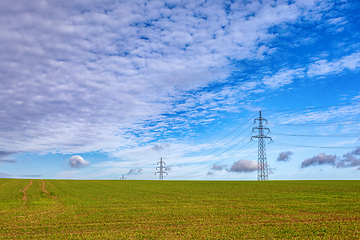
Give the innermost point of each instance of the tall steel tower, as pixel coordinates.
(263, 170)
(161, 172)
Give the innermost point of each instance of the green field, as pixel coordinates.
(64, 209)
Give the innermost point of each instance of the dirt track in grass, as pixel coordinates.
(46, 191)
(25, 198)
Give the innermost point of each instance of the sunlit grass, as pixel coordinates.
(180, 209)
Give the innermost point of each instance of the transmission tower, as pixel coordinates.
(161, 172)
(123, 177)
(263, 170)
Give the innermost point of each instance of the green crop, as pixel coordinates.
(66, 209)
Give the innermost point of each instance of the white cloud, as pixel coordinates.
(318, 68)
(283, 77)
(324, 67)
(77, 162)
(76, 76)
(337, 21)
(322, 115)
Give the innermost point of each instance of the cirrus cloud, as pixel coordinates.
(103, 57)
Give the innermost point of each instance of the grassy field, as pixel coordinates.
(64, 209)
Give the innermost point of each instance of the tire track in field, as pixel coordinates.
(44, 189)
(25, 198)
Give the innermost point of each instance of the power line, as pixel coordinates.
(231, 140)
(261, 136)
(316, 124)
(307, 146)
(314, 135)
(228, 149)
(202, 169)
(236, 152)
(214, 157)
(213, 143)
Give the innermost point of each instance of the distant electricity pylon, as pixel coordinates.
(263, 169)
(161, 172)
(123, 177)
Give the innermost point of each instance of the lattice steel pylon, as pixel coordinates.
(161, 172)
(263, 169)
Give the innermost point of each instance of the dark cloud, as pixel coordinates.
(78, 162)
(244, 166)
(159, 147)
(320, 159)
(7, 161)
(30, 176)
(170, 167)
(135, 171)
(4, 175)
(6, 153)
(284, 156)
(350, 159)
(356, 151)
(210, 173)
(218, 167)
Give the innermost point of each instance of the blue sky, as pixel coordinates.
(101, 89)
